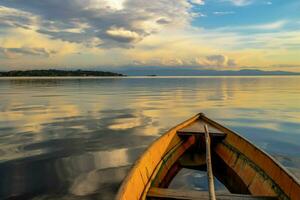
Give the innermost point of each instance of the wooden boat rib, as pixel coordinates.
(245, 170)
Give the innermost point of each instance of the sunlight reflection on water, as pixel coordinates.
(76, 138)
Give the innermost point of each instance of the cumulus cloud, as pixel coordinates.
(10, 17)
(122, 35)
(216, 61)
(15, 52)
(99, 23)
(210, 61)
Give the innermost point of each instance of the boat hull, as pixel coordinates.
(237, 163)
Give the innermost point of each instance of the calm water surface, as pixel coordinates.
(76, 138)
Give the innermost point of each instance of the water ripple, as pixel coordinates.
(75, 139)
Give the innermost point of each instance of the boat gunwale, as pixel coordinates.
(125, 182)
(292, 176)
(199, 116)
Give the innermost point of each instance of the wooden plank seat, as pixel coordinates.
(165, 193)
(197, 128)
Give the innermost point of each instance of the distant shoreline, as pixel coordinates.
(51, 73)
(150, 71)
(59, 73)
(136, 77)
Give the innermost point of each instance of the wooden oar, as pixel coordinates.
(212, 195)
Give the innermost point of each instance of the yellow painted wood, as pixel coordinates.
(198, 127)
(162, 193)
(259, 171)
(136, 184)
(265, 171)
(166, 163)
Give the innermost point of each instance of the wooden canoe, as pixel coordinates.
(245, 170)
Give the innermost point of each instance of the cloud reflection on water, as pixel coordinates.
(77, 136)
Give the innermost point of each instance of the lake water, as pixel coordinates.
(75, 138)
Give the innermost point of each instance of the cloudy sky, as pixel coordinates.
(210, 34)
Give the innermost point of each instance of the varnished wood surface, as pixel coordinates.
(198, 127)
(187, 134)
(162, 193)
(262, 174)
(151, 166)
(248, 165)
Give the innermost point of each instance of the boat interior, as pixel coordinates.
(195, 158)
(245, 171)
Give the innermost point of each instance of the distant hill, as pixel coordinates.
(55, 73)
(156, 71)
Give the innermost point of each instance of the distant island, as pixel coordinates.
(143, 71)
(168, 71)
(57, 73)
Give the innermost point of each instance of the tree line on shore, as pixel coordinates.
(53, 72)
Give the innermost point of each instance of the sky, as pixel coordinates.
(111, 34)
